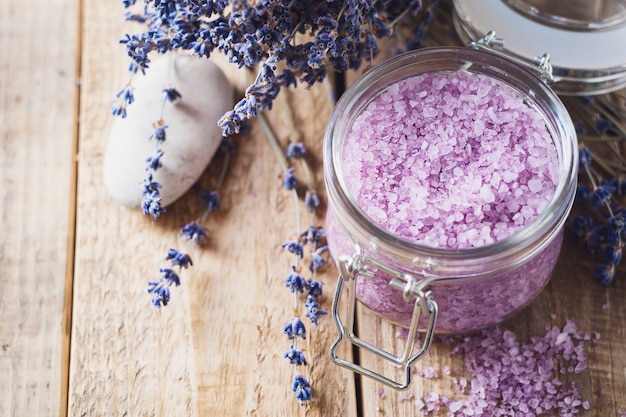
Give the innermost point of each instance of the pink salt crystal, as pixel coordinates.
(526, 386)
(405, 396)
(419, 404)
(381, 393)
(452, 189)
(493, 147)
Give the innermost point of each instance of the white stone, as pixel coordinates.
(192, 136)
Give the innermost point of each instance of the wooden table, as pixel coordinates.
(78, 334)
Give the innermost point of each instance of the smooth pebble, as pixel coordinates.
(192, 136)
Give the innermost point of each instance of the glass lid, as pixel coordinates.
(585, 62)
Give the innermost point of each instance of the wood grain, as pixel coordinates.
(572, 294)
(69, 256)
(38, 82)
(217, 349)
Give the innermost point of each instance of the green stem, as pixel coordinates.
(273, 140)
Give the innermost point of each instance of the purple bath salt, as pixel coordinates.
(451, 160)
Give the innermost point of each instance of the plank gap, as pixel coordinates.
(68, 292)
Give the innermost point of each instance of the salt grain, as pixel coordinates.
(510, 377)
(498, 147)
(482, 191)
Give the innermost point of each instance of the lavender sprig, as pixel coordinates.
(605, 232)
(307, 38)
(192, 233)
(151, 201)
(602, 227)
(312, 239)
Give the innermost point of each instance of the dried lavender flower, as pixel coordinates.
(294, 328)
(159, 132)
(295, 356)
(341, 36)
(172, 94)
(290, 182)
(194, 232)
(178, 258)
(154, 162)
(302, 388)
(295, 282)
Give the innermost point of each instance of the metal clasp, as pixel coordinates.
(412, 290)
(541, 67)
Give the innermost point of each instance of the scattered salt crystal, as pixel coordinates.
(512, 377)
(561, 338)
(419, 404)
(429, 373)
(605, 306)
(405, 396)
(381, 393)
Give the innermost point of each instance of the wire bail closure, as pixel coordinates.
(491, 43)
(412, 290)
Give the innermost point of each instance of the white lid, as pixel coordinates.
(579, 54)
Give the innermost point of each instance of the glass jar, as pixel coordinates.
(429, 289)
(574, 14)
(585, 62)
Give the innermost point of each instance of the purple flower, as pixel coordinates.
(295, 282)
(295, 247)
(124, 97)
(317, 260)
(584, 156)
(160, 289)
(193, 231)
(151, 204)
(154, 162)
(159, 133)
(294, 328)
(178, 258)
(311, 200)
(295, 151)
(160, 293)
(302, 388)
(289, 180)
(170, 276)
(171, 94)
(210, 198)
(314, 288)
(605, 273)
(313, 310)
(313, 235)
(150, 186)
(295, 356)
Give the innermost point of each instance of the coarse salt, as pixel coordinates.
(494, 146)
(511, 377)
(435, 182)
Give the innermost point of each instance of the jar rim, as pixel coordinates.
(513, 249)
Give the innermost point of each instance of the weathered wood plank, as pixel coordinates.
(126, 357)
(572, 294)
(217, 348)
(38, 40)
